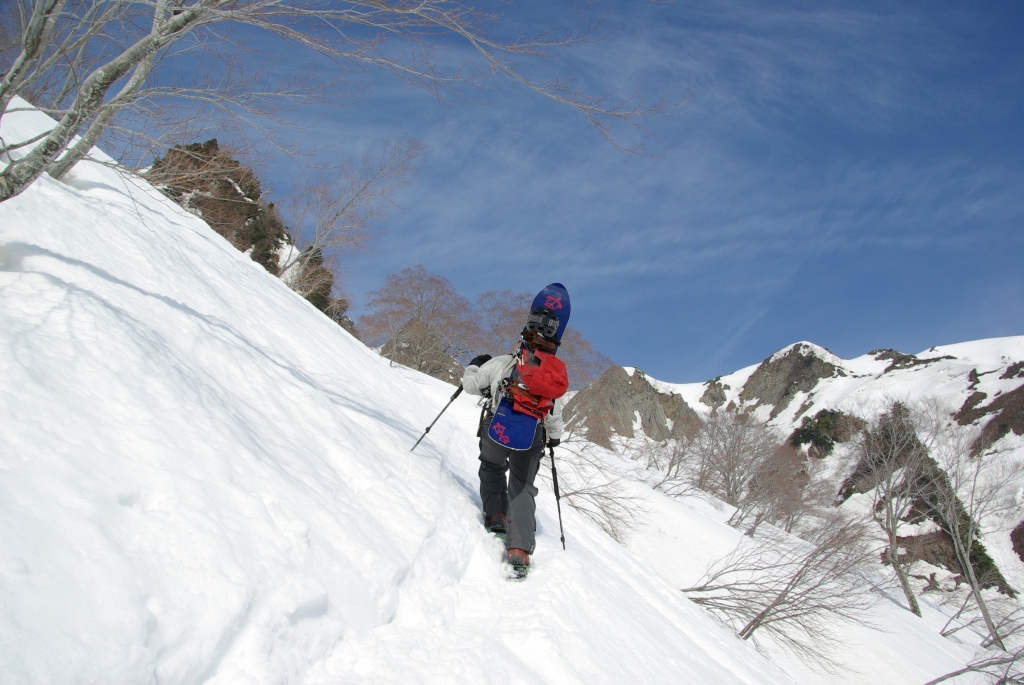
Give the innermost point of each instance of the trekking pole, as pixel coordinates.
(558, 498)
(457, 393)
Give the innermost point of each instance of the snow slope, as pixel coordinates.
(948, 374)
(204, 480)
(681, 537)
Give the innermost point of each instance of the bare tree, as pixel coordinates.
(724, 458)
(897, 467)
(781, 486)
(970, 492)
(654, 455)
(1001, 667)
(502, 314)
(584, 363)
(1005, 669)
(590, 487)
(784, 490)
(100, 58)
(334, 212)
(790, 589)
(420, 320)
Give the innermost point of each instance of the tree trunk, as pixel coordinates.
(89, 101)
(901, 573)
(62, 165)
(756, 622)
(965, 561)
(757, 522)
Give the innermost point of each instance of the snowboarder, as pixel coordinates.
(509, 508)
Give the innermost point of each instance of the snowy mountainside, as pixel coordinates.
(980, 381)
(978, 385)
(205, 480)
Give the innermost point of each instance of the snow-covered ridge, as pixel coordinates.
(866, 382)
(206, 480)
(807, 349)
(991, 351)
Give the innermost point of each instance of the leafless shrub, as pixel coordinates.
(1005, 666)
(745, 463)
(1002, 666)
(653, 455)
(793, 591)
(592, 489)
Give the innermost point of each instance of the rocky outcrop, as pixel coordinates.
(614, 402)
(714, 396)
(1017, 540)
(936, 548)
(822, 432)
(1015, 370)
(781, 377)
(1008, 415)
(899, 360)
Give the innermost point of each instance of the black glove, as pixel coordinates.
(553, 442)
(480, 360)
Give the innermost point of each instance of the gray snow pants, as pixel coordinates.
(514, 499)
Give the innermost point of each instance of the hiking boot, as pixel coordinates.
(497, 524)
(518, 558)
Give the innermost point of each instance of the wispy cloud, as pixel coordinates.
(815, 135)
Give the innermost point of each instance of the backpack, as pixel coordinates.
(539, 379)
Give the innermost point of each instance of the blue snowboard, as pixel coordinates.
(510, 428)
(556, 298)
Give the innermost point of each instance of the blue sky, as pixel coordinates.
(849, 173)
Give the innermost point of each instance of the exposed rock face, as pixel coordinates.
(1017, 539)
(613, 402)
(937, 549)
(777, 381)
(714, 396)
(1008, 410)
(900, 360)
(1015, 370)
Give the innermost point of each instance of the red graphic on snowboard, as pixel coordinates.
(499, 430)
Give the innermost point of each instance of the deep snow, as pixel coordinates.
(207, 481)
(680, 538)
(865, 387)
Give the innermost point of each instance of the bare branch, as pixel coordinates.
(793, 591)
(78, 53)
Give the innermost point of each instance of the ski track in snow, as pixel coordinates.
(204, 480)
